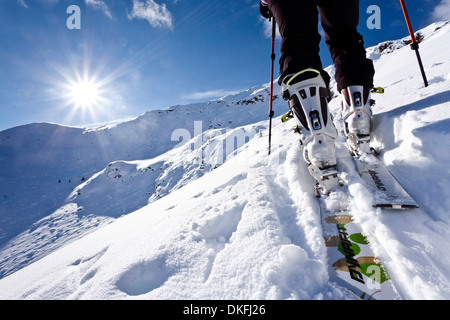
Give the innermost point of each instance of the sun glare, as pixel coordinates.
(84, 94)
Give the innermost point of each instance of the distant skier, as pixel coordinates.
(305, 84)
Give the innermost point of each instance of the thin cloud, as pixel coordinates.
(100, 6)
(220, 93)
(442, 10)
(156, 14)
(23, 4)
(267, 26)
(94, 4)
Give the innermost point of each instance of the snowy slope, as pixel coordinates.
(205, 228)
(52, 181)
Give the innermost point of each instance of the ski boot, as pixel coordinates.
(308, 97)
(357, 116)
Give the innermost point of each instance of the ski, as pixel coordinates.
(388, 192)
(351, 261)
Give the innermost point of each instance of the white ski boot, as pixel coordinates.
(357, 116)
(308, 99)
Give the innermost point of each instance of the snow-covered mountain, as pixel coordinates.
(185, 203)
(59, 182)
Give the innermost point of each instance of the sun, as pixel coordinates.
(84, 96)
(84, 93)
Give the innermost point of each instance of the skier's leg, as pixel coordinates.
(297, 22)
(305, 84)
(340, 21)
(354, 72)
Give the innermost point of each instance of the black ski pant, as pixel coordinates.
(298, 25)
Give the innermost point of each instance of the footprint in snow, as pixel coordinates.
(144, 277)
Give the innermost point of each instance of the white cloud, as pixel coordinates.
(442, 10)
(99, 5)
(156, 14)
(267, 25)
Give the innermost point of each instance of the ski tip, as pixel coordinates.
(394, 206)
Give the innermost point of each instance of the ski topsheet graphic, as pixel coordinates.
(352, 263)
(387, 191)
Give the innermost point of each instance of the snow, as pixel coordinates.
(185, 203)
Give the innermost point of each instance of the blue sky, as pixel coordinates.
(139, 55)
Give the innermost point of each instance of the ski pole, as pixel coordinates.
(272, 57)
(414, 44)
